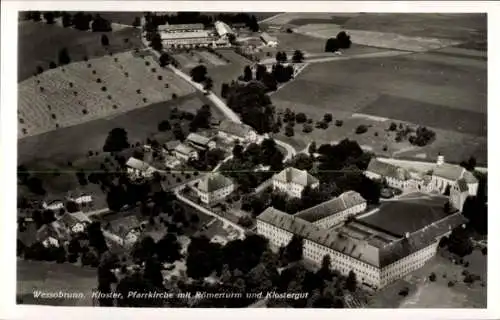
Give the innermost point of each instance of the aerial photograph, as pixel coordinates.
(252, 159)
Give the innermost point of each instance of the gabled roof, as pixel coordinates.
(267, 38)
(448, 171)
(171, 145)
(469, 177)
(234, 128)
(293, 175)
(213, 182)
(69, 220)
(222, 28)
(388, 170)
(53, 229)
(137, 164)
(198, 139)
(80, 216)
(328, 208)
(184, 149)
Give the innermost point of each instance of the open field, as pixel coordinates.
(468, 29)
(85, 91)
(122, 17)
(427, 294)
(68, 144)
(39, 44)
(52, 277)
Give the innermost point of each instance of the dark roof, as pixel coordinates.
(343, 202)
(198, 139)
(213, 182)
(388, 170)
(122, 226)
(407, 214)
(69, 220)
(170, 145)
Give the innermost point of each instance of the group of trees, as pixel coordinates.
(422, 136)
(80, 20)
(342, 41)
(201, 119)
(199, 75)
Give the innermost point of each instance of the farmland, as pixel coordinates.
(85, 91)
(39, 44)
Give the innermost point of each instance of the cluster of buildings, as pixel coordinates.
(80, 200)
(195, 35)
(442, 178)
(383, 244)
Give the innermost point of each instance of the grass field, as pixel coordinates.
(85, 91)
(52, 277)
(39, 44)
(426, 294)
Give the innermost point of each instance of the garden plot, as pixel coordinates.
(186, 60)
(377, 39)
(210, 58)
(85, 91)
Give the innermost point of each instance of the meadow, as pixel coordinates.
(40, 43)
(89, 90)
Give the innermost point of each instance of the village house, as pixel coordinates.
(81, 199)
(185, 152)
(458, 194)
(126, 229)
(293, 181)
(53, 205)
(52, 234)
(75, 222)
(233, 131)
(139, 169)
(334, 211)
(269, 40)
(200, 142)
(213, 188)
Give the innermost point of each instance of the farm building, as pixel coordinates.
(394, 176)
(177, 28)
(200, 142)
(379, 248)
(126, 229)
(81, 199)
(139, 169)
(74, 223)
(292, 181)
(213, 188)
(334, 211)
(269, 40)
(233, 131)
(185, 152)
(53, 205)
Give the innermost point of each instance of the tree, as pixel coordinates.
(224, 90)
(137, 22)
(178, 132)
(208, 84)
(99, 24)
(260, 72)
(104, 40)
(164, 126)
(252, 24)
(66, 20)
(156, 42)
(327, 117)
(289, 131)
(344, 40)
(361, 129)
(36, 16)
(281, 57)
(64, 56)
(459, 242)
(300, 117)
(81, 21)
(96, 237)
(199, 73)
(351, 281)
(165, 59)
(332, 45)
(247, 74)
(238, 151)
(298, 56)
(49, 17)
(293, 250)
(312, 148)
(116, 141)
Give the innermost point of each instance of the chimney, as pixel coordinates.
(440, 159)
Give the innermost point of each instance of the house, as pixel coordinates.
(52, 234)
(445, 175)
(139, 169)
(233, 131)
(213, 188)
(75, 222)
(394, 176)
(169, 147)
(269, 40)
(293, 181)
(82, 199)
(126, 229)
(334, 211)
(53, 205)
(185, 152)
(200, 142)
